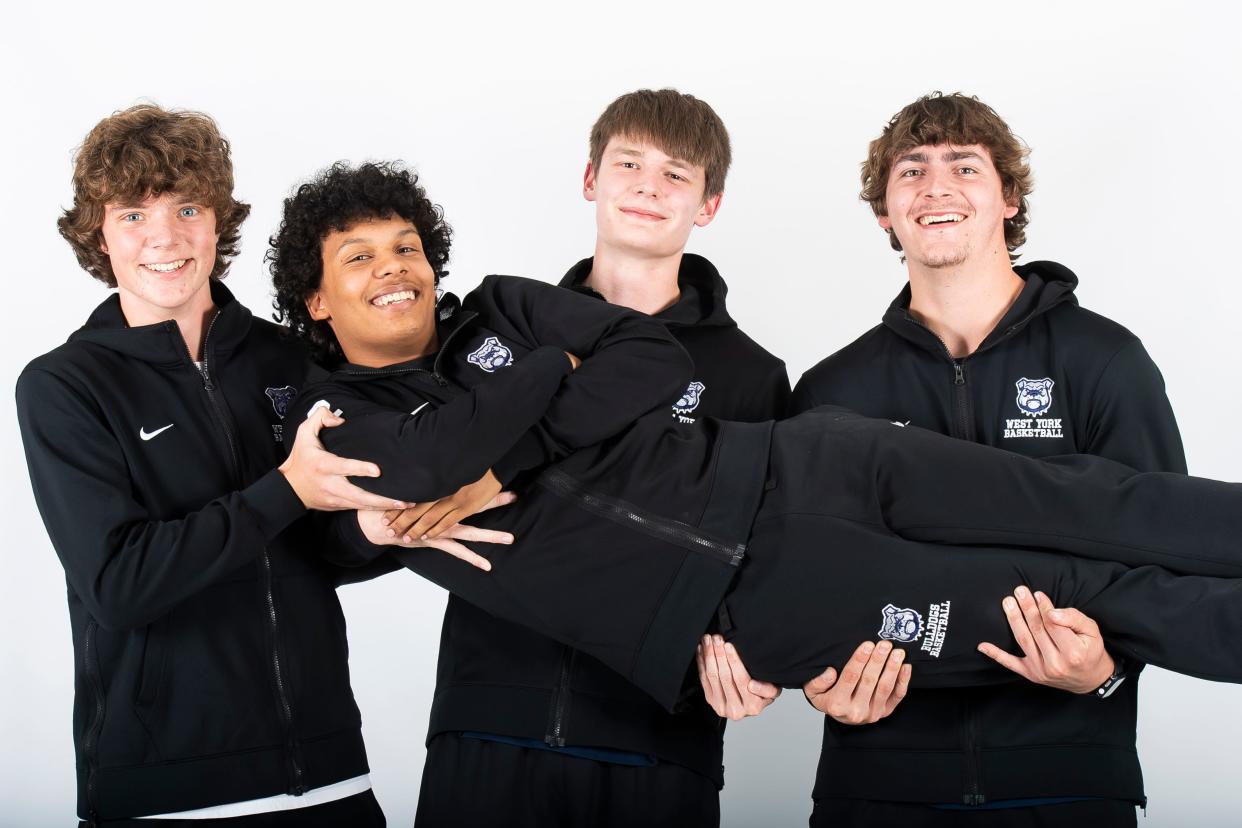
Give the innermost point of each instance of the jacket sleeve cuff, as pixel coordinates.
(273, 503)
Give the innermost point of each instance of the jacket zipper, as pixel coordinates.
(297, 786)
(972, 796)
(560, 699)
(92, 733)
(962, 425)
(667, 529)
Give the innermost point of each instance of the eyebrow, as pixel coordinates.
(409, 231)
(951, 155)
(633, 153)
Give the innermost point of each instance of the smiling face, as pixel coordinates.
(378, 292)
(946, 205)
(646, 201)
(162, 251)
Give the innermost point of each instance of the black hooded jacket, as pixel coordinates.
(210, 662)
(502, 678)
(1050, 379)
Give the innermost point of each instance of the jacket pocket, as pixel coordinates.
(152, 673)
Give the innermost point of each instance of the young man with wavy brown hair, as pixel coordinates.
(983, 350)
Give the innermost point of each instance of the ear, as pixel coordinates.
(317, 307)
(103, 245)
(707, 212)
(1011, 210)
(885, 222)
(588, 182)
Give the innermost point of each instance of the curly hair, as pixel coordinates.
(336, 199)
(952, 119)
(146, 151)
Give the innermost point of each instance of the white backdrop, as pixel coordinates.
(1133, 115)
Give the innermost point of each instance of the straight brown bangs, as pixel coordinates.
(681, 126)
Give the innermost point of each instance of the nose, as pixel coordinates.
(937, 183)
(647, 183)
(161, 229)
(389, 264)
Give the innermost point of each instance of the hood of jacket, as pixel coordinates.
(162, 343)
(702, 293)
(1047, 285)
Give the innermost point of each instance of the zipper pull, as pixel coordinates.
(958, 377)
(440, 381)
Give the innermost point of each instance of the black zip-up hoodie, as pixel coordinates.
(210, 655)
(503, 678)
(1050, 379)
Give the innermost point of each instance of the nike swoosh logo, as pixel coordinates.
(147, 435)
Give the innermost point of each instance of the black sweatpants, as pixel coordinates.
(838, 554)
(852, 540)
(478, 784)
(861, 813)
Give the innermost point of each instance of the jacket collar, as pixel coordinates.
(1047, 285)
(162, 342)
(702, 288)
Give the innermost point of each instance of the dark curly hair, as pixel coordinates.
(146, 151)
(334, 200)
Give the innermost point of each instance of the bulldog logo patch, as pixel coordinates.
(904, 625)
(689, 401)
(1034, 396)
(281, 397)
(491, 355)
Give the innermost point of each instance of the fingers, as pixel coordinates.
(765, 690)
(886, 685)
(899, 691)
(734, 705)
(502, 499)
(464, 532)
(820, 684)
(709, 676)
(345, 495)
(405, 520)
(431, 518)
(344, 467)
(455, 549)
(1004, 659)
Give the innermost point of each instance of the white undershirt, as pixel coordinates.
(280, 802)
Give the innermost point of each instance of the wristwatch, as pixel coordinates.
(1114, 681)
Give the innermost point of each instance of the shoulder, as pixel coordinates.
(849, 361)
(1086, 328)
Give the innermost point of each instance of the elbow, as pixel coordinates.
(118, 614)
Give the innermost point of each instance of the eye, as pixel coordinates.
(967, 170)
(131, 217)
(361, 257)
(188, 212)
(913, 172)
(407, 249)
(629, 165)
(676, 177)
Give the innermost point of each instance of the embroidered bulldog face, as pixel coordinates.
(690, 399)
(1034, 396)
(281, 397)
(904, 625)
(491, 355)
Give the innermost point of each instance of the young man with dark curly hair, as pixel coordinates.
(632, 528)
(986, 351)
(211, 675)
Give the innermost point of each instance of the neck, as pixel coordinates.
(192, 318)
(371, 357)
(962, 304)
(648, 285)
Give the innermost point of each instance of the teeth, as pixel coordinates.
(947, 217)
(165, 267)
(389, 298)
